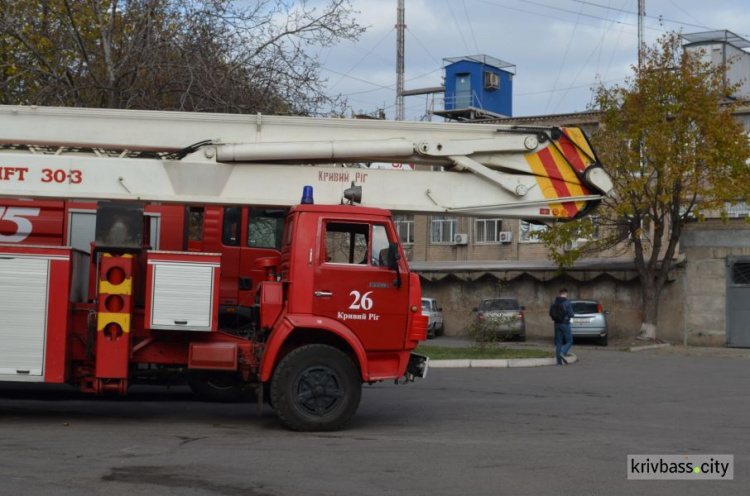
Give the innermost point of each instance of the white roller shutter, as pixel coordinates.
(182, 296)
(23, 315)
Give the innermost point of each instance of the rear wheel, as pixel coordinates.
(316, 388)
(603, 341)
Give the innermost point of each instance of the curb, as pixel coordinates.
(649, 347)
(498, 363)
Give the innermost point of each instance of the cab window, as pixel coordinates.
(346, 243)
(361, 244)
(379, 256)
(195, 223)
(230, 233)
(265, 228)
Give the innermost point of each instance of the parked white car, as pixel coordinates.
(435, 325)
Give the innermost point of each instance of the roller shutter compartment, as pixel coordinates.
(23, 315)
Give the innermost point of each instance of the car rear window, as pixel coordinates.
(502, 304)
(585, 307)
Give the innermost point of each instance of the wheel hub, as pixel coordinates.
(319, 390)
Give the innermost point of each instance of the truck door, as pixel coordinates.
(218, 230)
(265, 228)
(352, 283)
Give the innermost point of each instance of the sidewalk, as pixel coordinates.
(460, 342)
(615, 345)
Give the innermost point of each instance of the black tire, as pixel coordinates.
(431, 332)
(216, 386)
(603, 341)
(441, 332)
(316, 388)
(521, 338)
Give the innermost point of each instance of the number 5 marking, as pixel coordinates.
(17, 215)
(363, 302)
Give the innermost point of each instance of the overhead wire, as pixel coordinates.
(423, 47)
(583, 66)
(471, 27)
(458, 27)
(562, 64)
(367, 54)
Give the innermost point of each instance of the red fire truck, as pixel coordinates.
(244, 252)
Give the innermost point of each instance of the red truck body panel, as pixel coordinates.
(332, 283)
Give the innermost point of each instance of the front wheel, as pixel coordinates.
(316, 388)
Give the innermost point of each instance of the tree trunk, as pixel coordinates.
(651, 294)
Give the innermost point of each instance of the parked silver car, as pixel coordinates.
(501, 317)
(435, 325)
(589, 321)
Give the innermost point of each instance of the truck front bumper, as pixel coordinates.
(417, 366)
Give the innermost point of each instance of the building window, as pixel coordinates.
(405, 228)
(737, 210)
(487, 230)
(741, 274)
(527, 231)
(442, 229)
(745, 120)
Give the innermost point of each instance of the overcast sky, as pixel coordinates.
(561, 48)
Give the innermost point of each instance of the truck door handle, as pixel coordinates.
(322, 294)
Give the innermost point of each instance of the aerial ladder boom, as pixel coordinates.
(539, 173)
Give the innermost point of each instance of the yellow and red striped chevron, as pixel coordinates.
(555, 169)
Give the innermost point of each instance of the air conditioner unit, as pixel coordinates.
(461, 239)
(505, 236)
(491, 80)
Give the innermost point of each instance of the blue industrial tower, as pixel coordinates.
(477, 86)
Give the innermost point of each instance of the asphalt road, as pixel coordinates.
(547, 430)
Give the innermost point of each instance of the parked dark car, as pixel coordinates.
(501, 317)
(589, 321)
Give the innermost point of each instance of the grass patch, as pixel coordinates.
(444, 353)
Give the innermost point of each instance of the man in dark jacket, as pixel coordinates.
(561, 311)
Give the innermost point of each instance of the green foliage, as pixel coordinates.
(675, 152)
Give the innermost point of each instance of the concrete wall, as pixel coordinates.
(692, 307)
(707, 247)
(459, 297)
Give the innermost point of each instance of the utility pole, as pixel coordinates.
(400, 29)
(641, 16)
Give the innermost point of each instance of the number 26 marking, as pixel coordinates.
(361, 301)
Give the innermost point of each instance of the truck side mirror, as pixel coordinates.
(393, 258)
